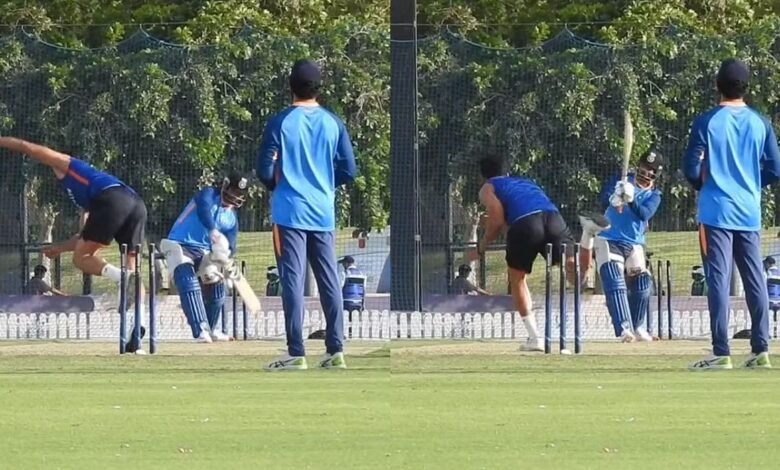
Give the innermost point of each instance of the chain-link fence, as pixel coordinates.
(168, 119)
(555, 112)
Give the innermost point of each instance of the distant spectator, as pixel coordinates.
(37, 284)
(274, 287)
(770, 267)
(461, 285)
(699, 285)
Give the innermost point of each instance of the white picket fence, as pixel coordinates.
(689, 321)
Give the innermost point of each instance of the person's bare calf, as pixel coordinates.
(521, 296)
(87, 259)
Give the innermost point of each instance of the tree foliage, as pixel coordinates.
(169, 117)
(173, 93)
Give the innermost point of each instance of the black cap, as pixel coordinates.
(305, 73)
(733, 71)
(347, 260)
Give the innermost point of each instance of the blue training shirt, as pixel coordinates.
(629, 226)
(520, 197)
(732, 153)
(83, 182)
(202, 214)
(305, 154)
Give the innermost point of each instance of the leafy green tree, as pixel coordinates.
(168, 118)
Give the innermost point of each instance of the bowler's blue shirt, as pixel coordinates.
(305, 154)
(732, 153)
(520, 197)
(83, 182)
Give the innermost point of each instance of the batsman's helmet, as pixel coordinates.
(652, 160)
(234, 189)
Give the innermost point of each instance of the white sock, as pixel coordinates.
(111, 272)
(587, 240)
(530, 325)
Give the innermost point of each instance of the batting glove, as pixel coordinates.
(220, 248)
(619, 188)
(628, 192)
(230, 270)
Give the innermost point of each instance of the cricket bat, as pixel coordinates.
(628, 144)
(247, 294)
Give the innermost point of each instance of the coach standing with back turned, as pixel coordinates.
(732, 153)
(305, 155)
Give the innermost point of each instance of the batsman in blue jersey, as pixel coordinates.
(521, 209)
(200, 248)
(619, 249)
(110, 211)
(732, 153)
(305, 155)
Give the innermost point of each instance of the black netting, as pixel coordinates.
(556, 113)
(168, 119)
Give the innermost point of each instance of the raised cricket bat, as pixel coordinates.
(247, 294)
(628, 144)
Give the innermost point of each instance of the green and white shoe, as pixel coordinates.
(758, 361)
(333, 361)
(287, 362)
(713, 363)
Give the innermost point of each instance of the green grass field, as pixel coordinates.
(79, 405)
(428, 405)
(483, 405)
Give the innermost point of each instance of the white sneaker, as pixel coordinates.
(218, 335)
(627, 337)
(643, 335)
(533, 344)
(332, 361)
(140, 352)
(204, 337)
(287, 362)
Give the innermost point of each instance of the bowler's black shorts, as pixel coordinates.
(528, 237)
(116, 214)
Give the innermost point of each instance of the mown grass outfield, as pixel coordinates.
(427, 405)
(485, 405)
(81, 406)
